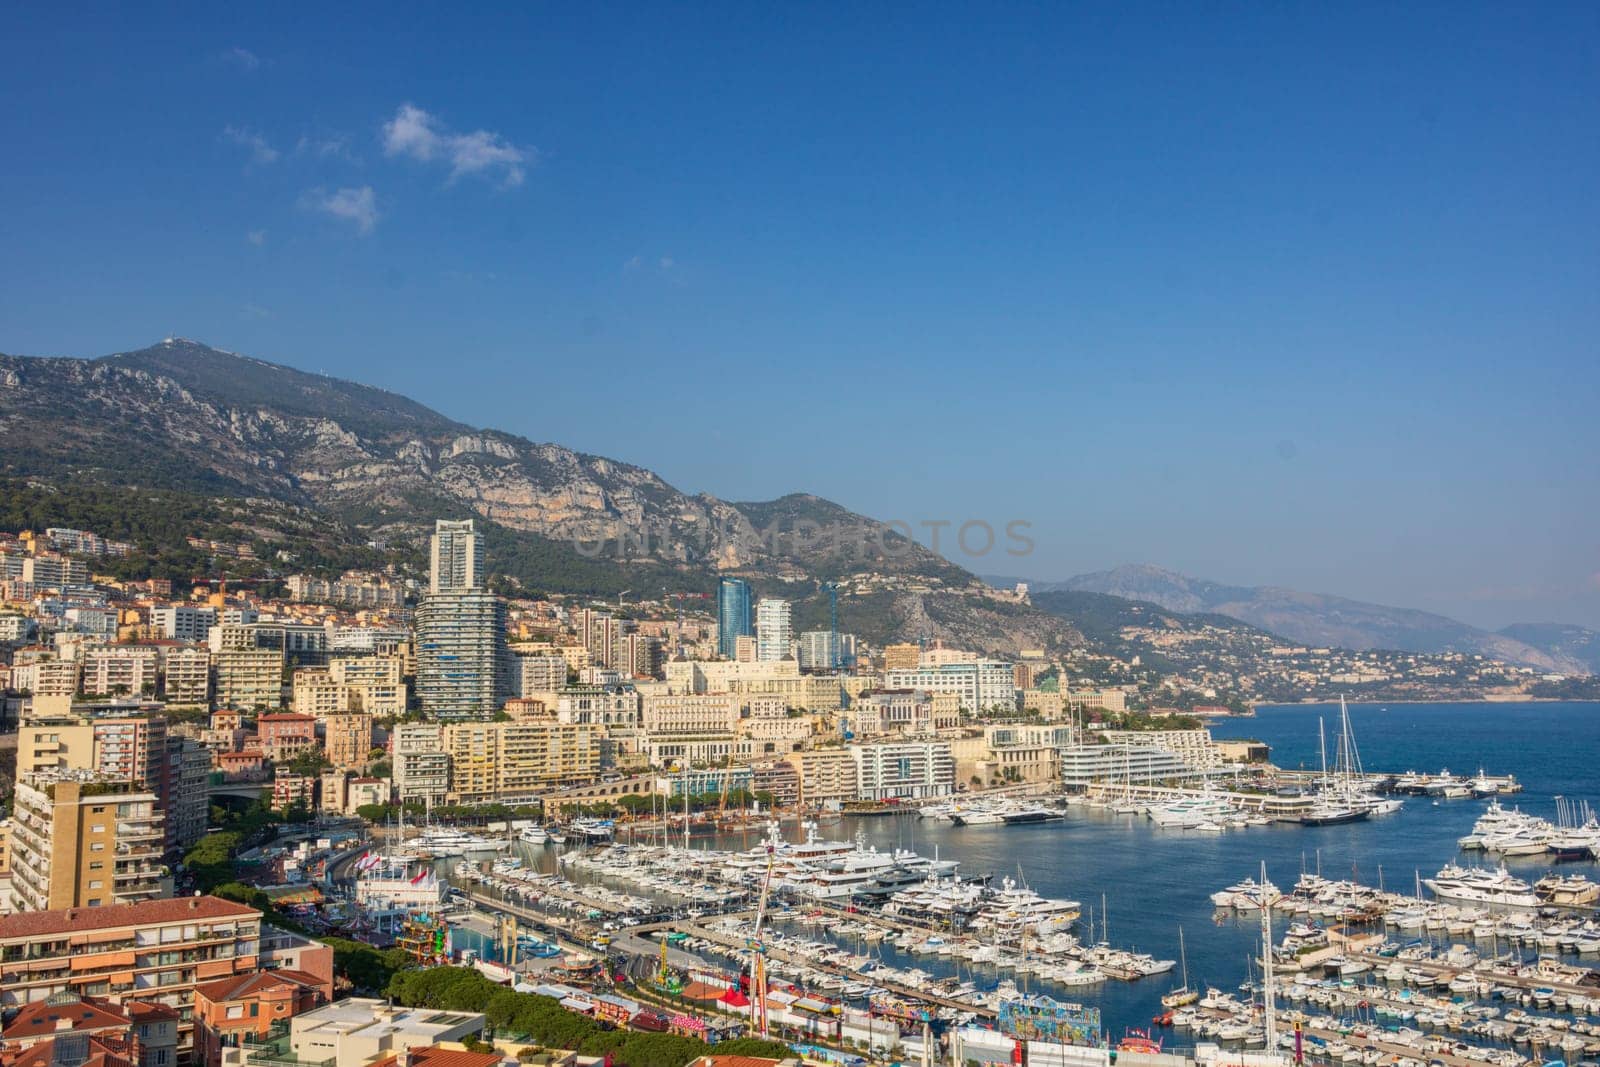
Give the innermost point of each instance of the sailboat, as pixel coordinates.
(1183, 995)
(1335, 806)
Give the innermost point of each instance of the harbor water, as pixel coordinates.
(1138, 882)
(1153, 879)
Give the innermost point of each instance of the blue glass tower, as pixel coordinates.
(734, 618)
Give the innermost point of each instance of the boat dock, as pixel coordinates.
(1525, 983)
(1270, 805)
(739, 947)
(499, 901)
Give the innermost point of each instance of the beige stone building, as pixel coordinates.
(824, 775)
(80, 840)
(347, 740)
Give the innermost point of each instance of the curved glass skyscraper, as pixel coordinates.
(734, 618)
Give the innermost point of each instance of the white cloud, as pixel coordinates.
(256, 237)
(254, 311)
(354, 205)
(242, 58)
(667, 263)
(335, 146)
(417, 135)
(412, 133)
(261, 151)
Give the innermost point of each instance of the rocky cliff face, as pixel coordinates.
(186, 416)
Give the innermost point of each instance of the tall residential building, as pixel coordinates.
(421, 765)
(186, 676)
(774, 629)
(247, 664)
(904, 770)
(80, 840)
(821, 650)
(185, 801)
(121, 670)
(124, 748)
(602, 635)
(734, 619)
(464, 666)
(456, 563)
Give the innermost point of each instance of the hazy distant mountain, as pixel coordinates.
(187, 417)
(1319, 620)
(1559, 639)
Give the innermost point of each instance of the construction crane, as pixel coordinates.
(727, 780)
(758, 950)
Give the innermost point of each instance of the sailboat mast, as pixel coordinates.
(1322, 747)
(1266, 962)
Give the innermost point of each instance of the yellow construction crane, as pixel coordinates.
(727, 780)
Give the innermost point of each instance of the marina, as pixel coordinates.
(889, 917)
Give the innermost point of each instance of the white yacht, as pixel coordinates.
(1246, 895)
(1481, 886)
(1013, 908)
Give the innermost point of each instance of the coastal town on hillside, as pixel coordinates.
(207, 858)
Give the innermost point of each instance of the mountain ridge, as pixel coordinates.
(185, 416)
(1319, 619)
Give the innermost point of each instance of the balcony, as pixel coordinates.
(127, 831)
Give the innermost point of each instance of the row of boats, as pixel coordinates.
(990, 812)
(1494, 889)
(1574, 835)
(1361, 1033)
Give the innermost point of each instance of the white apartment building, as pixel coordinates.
(1194, 747)
(774, 629)
(904, 770)
(121, 670)
(186, 674)
(183, 622)
(979, 685)
(1140, 764)
(541, 674)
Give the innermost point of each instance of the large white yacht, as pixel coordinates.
(1479, 885)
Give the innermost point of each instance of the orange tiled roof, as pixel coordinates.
(40, 1019)
(150, 912)
(244, 985)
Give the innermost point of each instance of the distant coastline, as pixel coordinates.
(1386, 703)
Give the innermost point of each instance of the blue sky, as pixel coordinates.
(1272, 294)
